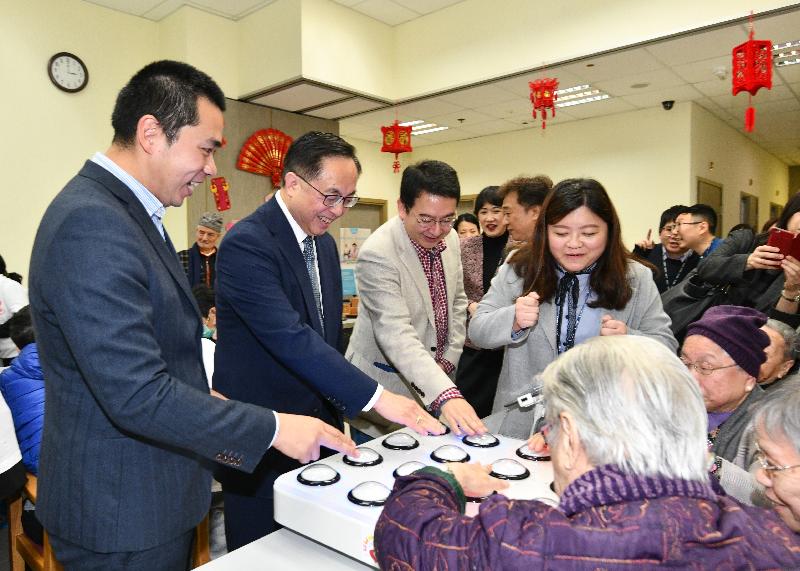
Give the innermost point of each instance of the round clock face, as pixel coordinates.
(68, 72)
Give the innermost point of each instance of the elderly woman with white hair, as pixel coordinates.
(632, 476)
(777, 424)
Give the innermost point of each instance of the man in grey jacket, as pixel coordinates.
(411, 326)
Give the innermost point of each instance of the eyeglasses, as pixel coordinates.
(769, 466)
(332, 200)
(703, 368)
(679, 224)
(429, 222)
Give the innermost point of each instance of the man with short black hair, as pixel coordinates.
(410, 329)
(672, 261)
(279, 309)
(694, 229)
(131, 433)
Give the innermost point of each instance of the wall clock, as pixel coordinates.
(68, 72)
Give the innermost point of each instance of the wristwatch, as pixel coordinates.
(793, 298)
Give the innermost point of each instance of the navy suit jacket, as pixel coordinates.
(271, 348)
(130, 430)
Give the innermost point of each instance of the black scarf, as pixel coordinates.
(569, 286)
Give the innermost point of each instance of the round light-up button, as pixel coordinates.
(481, 440)
(527, 454)
(450, 453)
(369, 494)
(367, 457)
(400, 441)
(406, 468)
(509, 469)
(318, 475)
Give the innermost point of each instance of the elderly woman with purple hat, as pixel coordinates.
(632, 476)
(724, 351)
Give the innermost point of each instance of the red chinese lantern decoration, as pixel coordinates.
(543, 97)
(219, 188)
(752, 70)
(396, 139)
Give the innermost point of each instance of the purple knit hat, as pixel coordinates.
(737, 330)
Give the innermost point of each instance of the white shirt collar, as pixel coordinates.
(299, 233)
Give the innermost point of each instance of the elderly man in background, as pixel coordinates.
(631, 474)
(777, 426)
(200, 261)
(781, 353)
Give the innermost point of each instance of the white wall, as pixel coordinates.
(48, 134)
(739, 166)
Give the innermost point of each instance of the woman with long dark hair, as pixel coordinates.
(573, 282)
(760, 276)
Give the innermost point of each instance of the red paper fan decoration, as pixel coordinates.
(263, 153)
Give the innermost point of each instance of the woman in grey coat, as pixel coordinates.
(574, 281)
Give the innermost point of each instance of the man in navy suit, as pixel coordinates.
(131, 432)
(279, 308)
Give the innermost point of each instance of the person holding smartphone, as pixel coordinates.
(760, 275)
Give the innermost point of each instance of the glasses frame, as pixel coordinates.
(769, 467)
(443, 222)
(332, 200)
(705, 372)
(679, 224)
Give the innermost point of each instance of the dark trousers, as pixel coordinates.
(173, 555)
(247, 518)
(476, 378)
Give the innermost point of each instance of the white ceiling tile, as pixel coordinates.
(598, 108)
(386, 11)
(463, 118)
(473, 97)
(779, 28)
(233, 9)
(426, 6)
(519, 85)
(347, 3)
(698, 46)
(618, 64)
(741, 100)
(300, 96)
(355, 105)
(135, 7)
(655, 80)
(491, 127)
(788, 73)
(705, 70)
(654, 98)
(714, 87)
(506, 109)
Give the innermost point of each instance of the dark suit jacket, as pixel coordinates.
(130, 430)
(271, 349)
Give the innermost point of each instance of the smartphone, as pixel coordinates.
(783, 240)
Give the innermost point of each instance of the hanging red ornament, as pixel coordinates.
(396, 139)
(219, 188)
(543, 97)
(752, 70)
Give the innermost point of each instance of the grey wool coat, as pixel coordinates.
(528, 356)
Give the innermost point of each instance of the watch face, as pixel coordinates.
(68, 72)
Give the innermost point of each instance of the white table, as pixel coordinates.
(284, 549)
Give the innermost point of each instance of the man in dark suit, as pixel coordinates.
(131, 432)
(279, 307)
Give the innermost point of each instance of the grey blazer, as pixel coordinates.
(130, 431)
(528, 356)
(394, 338)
